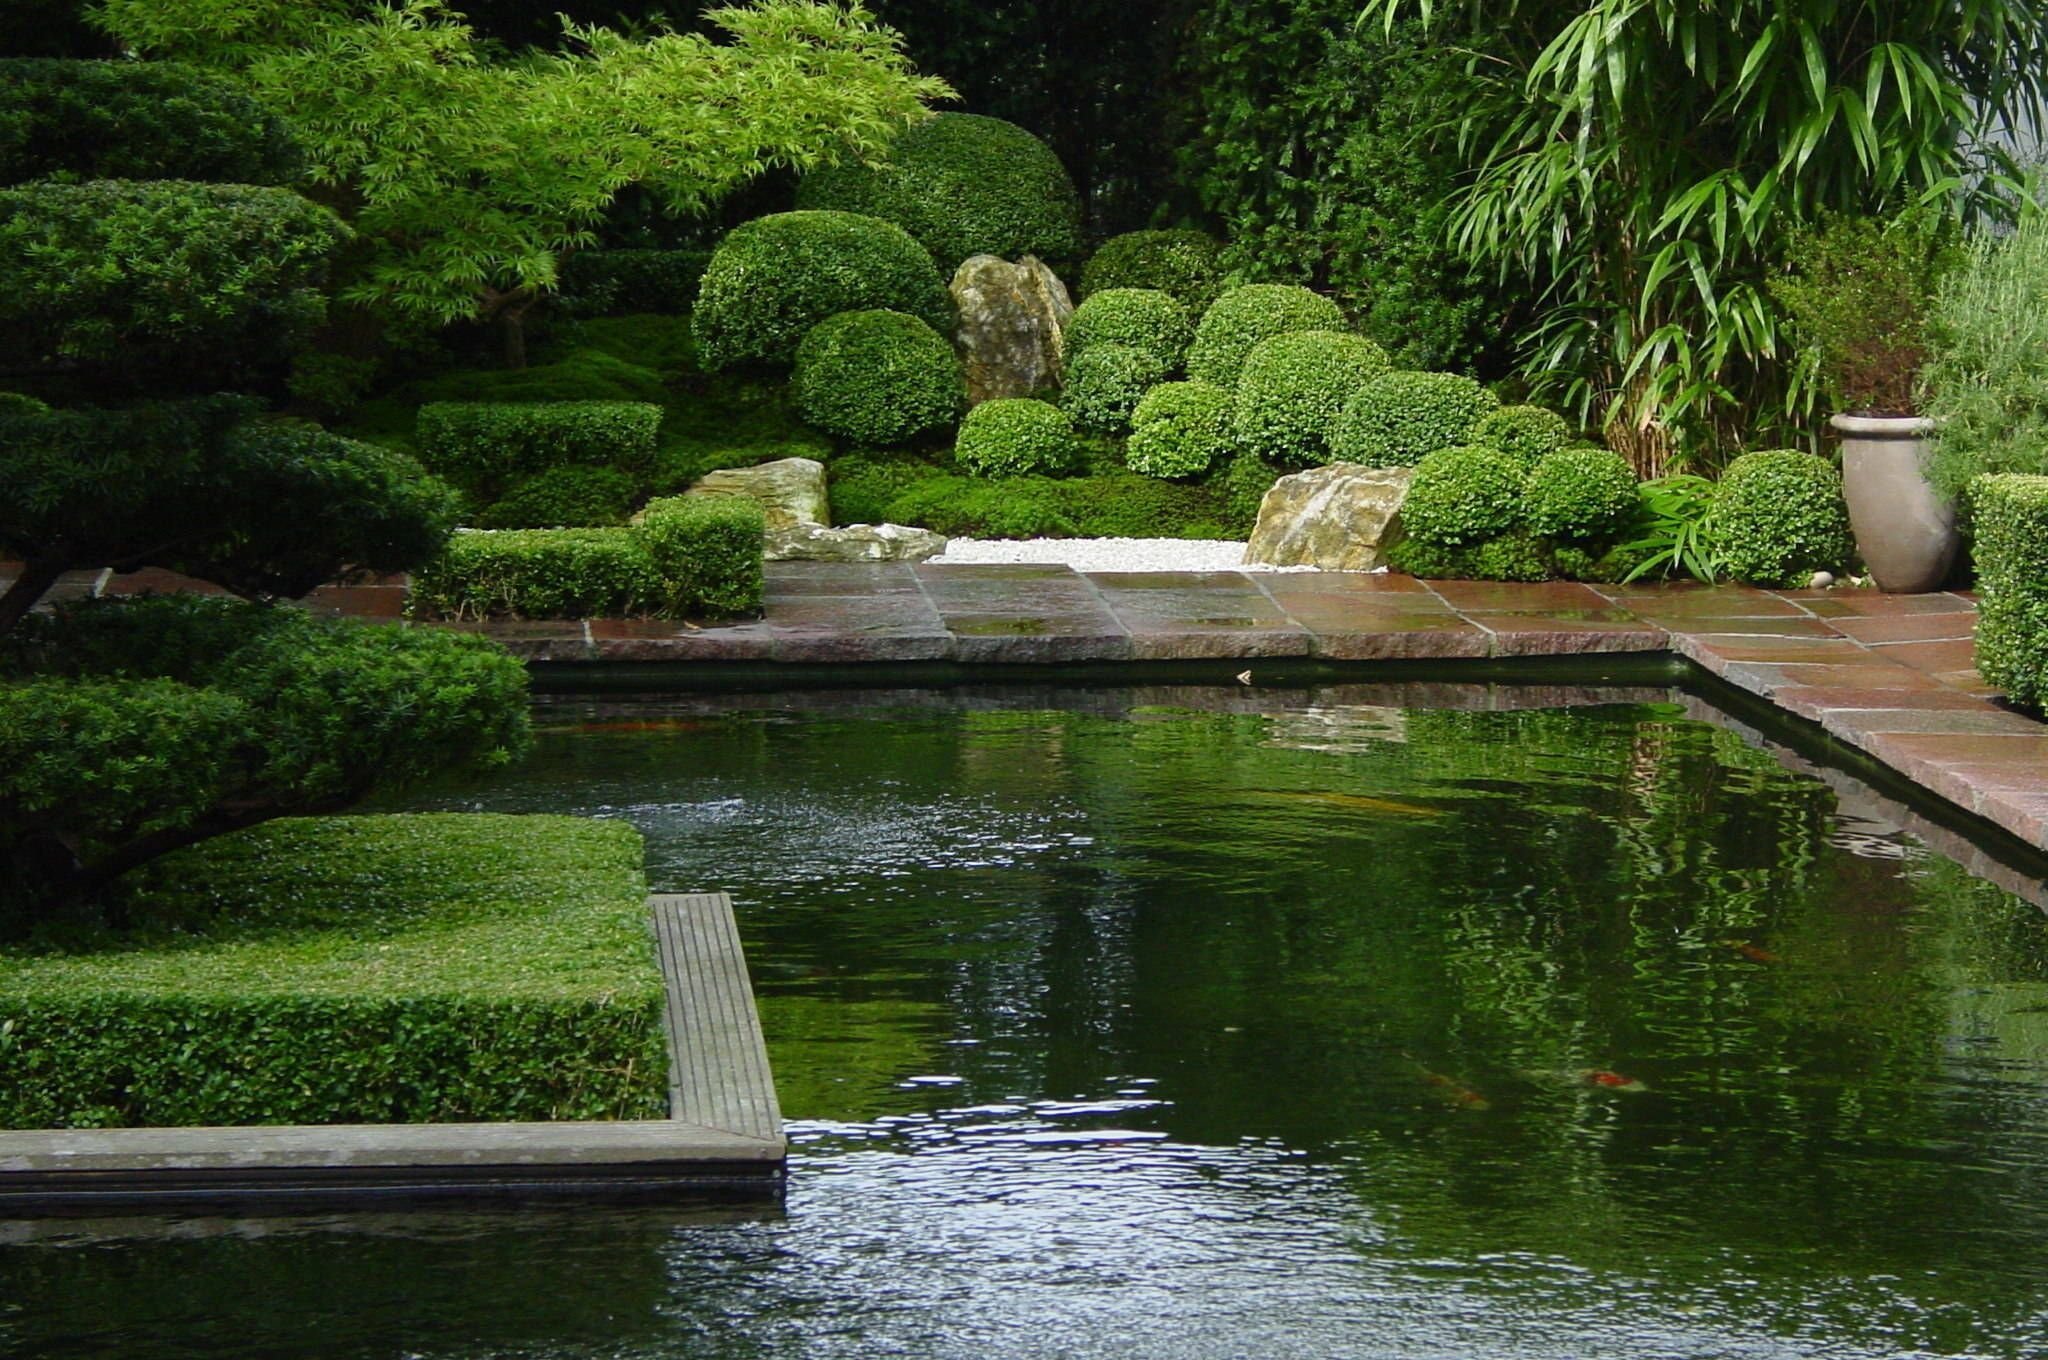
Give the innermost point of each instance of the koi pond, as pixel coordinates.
(1203, 1023)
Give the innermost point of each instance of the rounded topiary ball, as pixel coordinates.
(773, 278)
(1142, 318)
(1527, 432)
(1242, 317)
(963, 185)
(1398, 417)
(1181, 429)
(1580, 493)
(877, 377)
(1778, 517)
(1294, 386)
(1187, 264)
(1009, 436)
(1463, 495)
(1104, 385)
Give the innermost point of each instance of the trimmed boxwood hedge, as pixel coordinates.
(1185, 263)
(1104, 385)
(1580, 493)
(1398, 417)
(1181, 429)
(1778, 517)
(1242, 317)
(1107, 505)
(773, 278)
(1010, 435)
(485, 446)
(1294, 386)
(962, 184)
(396, 969)
(1142, 318)
(877, 377)
(1527, 432)
(1462, 496)
(2011, 521)
(562, 498)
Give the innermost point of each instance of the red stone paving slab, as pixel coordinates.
(1810, 701)
(1538, 635)
(156, 581)
(1802, 650)
(1684, 602)
(1729, 626)
(1935, 627)
(1955, 656)
(1289, 584)
(1870, 604)
(358, 602)
(1442, 640)
(1518, 597)
(785, 580)
(1198, 615)
(2028, 750)
(1767, 678)
(1979, 719)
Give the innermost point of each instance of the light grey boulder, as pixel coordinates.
(852, 543)
(1012, 321)
(1342, 517)
(791, 490)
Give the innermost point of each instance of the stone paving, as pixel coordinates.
(1892, 676)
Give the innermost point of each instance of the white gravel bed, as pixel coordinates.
(1109, 554)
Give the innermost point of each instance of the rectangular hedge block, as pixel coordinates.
(708, 551)
(2011, 512)
(421, 968)
(541, 574)
(481, 446)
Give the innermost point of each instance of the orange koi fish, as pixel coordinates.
(1611, 1081)
(1455, 1092)
(1755, 953)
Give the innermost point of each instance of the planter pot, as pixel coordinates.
(1904, 530)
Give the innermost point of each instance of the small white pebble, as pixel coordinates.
(1822, 580)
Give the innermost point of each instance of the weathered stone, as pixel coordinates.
(791, 490)
(1012, 318)
(1340, 518)
(852, 543)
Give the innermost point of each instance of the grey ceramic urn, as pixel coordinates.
(1905, 530)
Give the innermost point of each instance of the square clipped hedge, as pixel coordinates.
(2011, 512)
(482, 446)
(390, 969)
(708, 551)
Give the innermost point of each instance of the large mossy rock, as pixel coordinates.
(1340, 518)
(853, 543)
(1013, 321)
(791, 490)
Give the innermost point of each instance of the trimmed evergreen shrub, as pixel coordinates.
(139, 120)
(483, 446)
(1012, 435)
(975, 507)
(877, 377)
(773, 278)
(1398, 417)
(707, 551)
(628, 282)
(1125, 505)
(1108, 505)
(1527, 432)
(963, 185)
(2012, 570)
(1141, 318)
(1778, 517)
(540, 574)
(1181, 429)
(1241, 317)
(1580, 493)
(1463, 495)
(860, 488)
(1182, 262)
(1104, 385)
(1245, 484)
(570, 497)
(1294, 386)
(1514, 556)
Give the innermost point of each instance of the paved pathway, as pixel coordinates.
(1890, 675)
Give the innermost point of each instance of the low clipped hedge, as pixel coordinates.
(1526, 432)
(1294, 386)
(962, 184)
(1778, 517)
(773, 278)
(1513, 556)
(877, 377)
(563, 498)
(1008, 436)
(1398, 417)
(1462, 496)
(1580, 493)
(397, 969)
(485, 446)
(143, 120)
(707, 550)
(1107, 505)
(1181, 429)
(2011, 519)
(1239, 319)
(621, 282)
(1146, 319)
(1104, 385)
(1188, 264)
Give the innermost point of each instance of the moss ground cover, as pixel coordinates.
(350, 969)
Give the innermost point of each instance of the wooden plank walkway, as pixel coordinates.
(717, 1060)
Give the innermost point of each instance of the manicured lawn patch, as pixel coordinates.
(434, 967)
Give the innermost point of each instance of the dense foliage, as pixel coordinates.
(2012, 570)
(562, 497)
(1462, 496)
(1238, 320)
(1292, 389)
(1987, 381)
(85, 120)
(1396, 418)
(1779, 517)
(1104, 384)
(618, 281)
(1580, 494)
(485, 446)
(877, 377)
(1012, 435)
(1148, 319)
(1527, 432)
(1183, 263)
(1182, 429)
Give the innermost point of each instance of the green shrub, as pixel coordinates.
(978, 507)
(1245, 484)
(142, 120)
(168, 275)
(962, 185)
(622, 282)
(1513, 556)
(1580, 493)
(1141, 318)
(1181, 262)
(877, 377)
(1012, 435)
(861, 488)
(1181, 429)
(2012, 570)
(584, 374)
(1398, 417)
(484, 446)
(1294, 386)
(420, 968)
(1987, 379)
(707, 550)
(1104, 385)
(1462, 496)
(655, 341)
(1525, 432)
(1127, 505)
(1672, 531)
(540, 574)
(1241, 317)
(562, 498)
(1779, 516)
(772, 279)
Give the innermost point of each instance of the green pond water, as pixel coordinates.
(1230, 1024)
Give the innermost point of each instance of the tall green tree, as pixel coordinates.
(1642, 164)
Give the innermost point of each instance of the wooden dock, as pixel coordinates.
(723, 1137)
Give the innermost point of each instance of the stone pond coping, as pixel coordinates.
(1890, 675)
(723, 1136)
